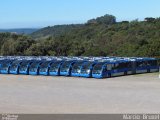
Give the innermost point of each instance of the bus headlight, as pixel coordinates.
(88, 71)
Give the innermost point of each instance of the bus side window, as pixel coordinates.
(141, 64)
(148, 63)
(154, 63)
(122, 65)
(130, 65)
(116, 66)
(109, 67)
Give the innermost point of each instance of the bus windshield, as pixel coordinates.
(1, 62)
(86, 67)
(5, 66)
(98, 68)
(77, 67)
(55, 66)
(44, 67)
(14, 65)
(65, 67)
(33, 67)
(23, 66)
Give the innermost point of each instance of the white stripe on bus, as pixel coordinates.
(141, 71)
(117, 74)
(153, 70)
(129, 72)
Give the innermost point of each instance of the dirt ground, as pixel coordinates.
(40, 94)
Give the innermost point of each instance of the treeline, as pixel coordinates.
(13, 44)
(102, 36)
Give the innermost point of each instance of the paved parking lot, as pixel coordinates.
(40, 94)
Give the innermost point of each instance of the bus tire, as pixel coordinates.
(125, 73)
(109, 75)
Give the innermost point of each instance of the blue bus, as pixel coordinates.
(98, 70)
(55, 68)
(34, 68)
(14, 67)
(86, 69)
(112, 69)
(5, 66)
(66, 67)
(24, 67)
(44, 67)
(76, 68)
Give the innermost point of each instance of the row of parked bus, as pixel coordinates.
(81, 67)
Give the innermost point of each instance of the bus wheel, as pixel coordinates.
(125, 73)
(148, 70)
(109, 75)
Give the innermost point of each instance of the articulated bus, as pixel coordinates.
(34, 68)
(55, 68)
(44, 67)
(110, 69)
(125, 67)
(66, 67)
(76, 68)
(5, 66)
(24, 67)
(14, 67)
(86, 69)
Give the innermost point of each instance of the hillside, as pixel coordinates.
(102, 36)
(19, 31)
(54, 30)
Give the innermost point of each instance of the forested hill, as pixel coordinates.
(59, 30)
(102, 36)
(53, 31)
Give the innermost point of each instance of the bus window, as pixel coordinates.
(77, 67)
(116, 66)
(129, 64)
(121, 65)
(109, 67)
(33, 67)
(14, 65)
(153, 62)
(55, 66)
(98, 68)
(23, 66)
(141, 64)
(44, 67)
(65, 66)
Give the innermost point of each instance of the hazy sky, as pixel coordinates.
(40, 13)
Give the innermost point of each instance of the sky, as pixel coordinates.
(42, 13)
